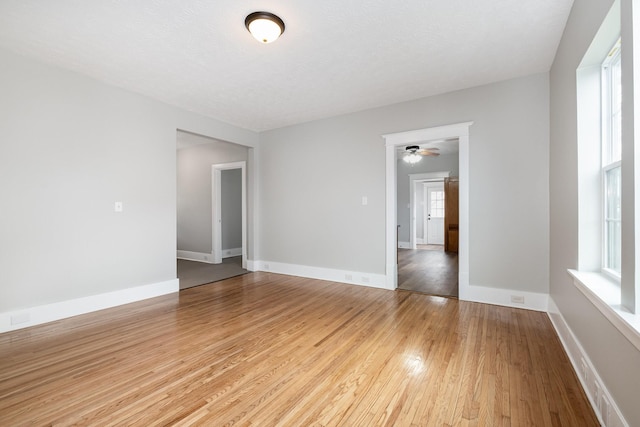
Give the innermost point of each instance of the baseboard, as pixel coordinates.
(496, 296)
(333, 275)
(601, 400)
(195, 256)
(404, 245)
(228, 253)
(505, 297)
(419, 241)
(19, 319)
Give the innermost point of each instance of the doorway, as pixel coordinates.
(429, 264)
(211, 209)
(229, 208)
(393, 141)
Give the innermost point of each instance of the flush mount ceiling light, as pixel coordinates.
(264, 26)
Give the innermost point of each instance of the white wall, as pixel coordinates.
(313, 177)
(448, 162)
(70, 148)
(194, 190)
(615, 359)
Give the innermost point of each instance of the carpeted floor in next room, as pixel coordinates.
(194, 273)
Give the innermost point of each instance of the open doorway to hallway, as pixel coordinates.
(211, 209)
(427, 203)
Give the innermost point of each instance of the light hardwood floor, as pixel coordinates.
(264, 349)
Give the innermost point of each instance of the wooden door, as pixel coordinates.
(451, 214)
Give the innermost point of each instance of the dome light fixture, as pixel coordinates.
(264, 26)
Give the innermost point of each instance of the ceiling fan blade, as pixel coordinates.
(429, 152)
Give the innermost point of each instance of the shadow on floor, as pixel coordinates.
(194, 273)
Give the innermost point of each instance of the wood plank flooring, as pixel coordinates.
(429, 271)
(194, 273)
(264, 349)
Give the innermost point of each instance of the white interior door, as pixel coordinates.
(434, 214)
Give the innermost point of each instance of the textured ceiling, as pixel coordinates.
(335, 56)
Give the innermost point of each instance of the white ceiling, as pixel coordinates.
(335, 56)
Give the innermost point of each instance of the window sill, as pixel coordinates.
(604, 293)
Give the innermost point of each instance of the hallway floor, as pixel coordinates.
(429, 270)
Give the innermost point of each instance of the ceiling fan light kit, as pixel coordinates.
(413, 153)
(411, 156)
(264, 26)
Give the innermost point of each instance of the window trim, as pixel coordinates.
(605, 295)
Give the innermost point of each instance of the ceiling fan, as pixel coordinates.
(413, 153)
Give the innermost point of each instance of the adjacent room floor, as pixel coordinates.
(194, 273)
(428, 269)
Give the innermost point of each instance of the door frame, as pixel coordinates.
(216, 209)
(414, 180)
(412, 137)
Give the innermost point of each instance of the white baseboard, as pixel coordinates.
(333, 275)
(195, 256)
(504, 297)
(404, 245)
(19, 319)
(228, 253)
(496, 296)
(601, 400)
(419, 241)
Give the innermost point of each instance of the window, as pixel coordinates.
(611, 145)
(437, 204)
(600, 77)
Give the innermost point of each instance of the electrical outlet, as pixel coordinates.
(583, 369)
(117, 207)
(265, 266)
(517, 299)
(348, 277)
(605, 408)
(365, 279)
(596, 395)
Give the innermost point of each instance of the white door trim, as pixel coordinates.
(216, 228)
(460, 131)
(414, 180)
